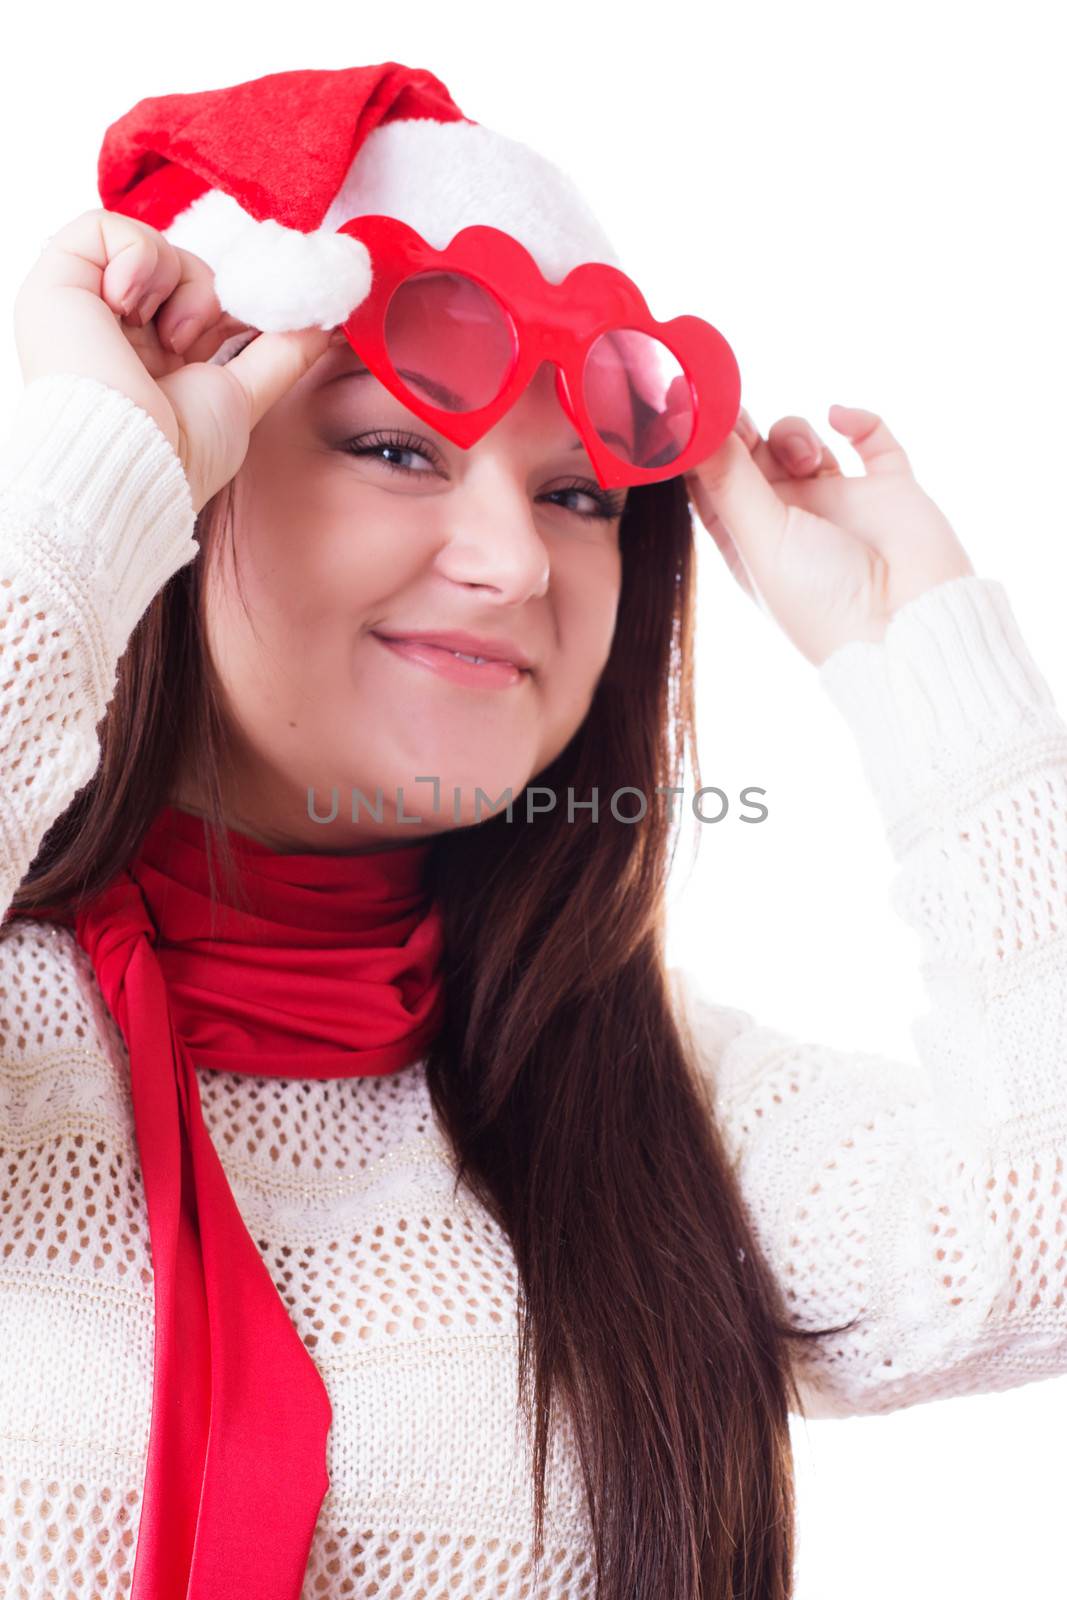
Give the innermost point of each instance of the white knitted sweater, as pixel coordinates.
(932, 1199)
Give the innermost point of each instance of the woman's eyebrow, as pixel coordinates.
(446, 398)
(608, 437)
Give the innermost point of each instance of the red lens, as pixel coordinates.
(638, 397)
(449, 340)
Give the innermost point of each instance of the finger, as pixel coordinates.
(746, 429)
(179, 285)
(269, 366)
(139, 267)
(130, 266)
(732, 486)
(77, 255)
(132, 275)
(770, 462)
(798, 448)
(62, 321)
(880, 452)
(188, 310)
(211, 338)
(821, 463)
(728, 550)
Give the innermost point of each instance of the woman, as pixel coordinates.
(397, 1106)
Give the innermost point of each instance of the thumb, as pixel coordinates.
(270, 364)
(729, 485)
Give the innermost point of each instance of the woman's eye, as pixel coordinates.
(376, 447)
(373, 446)
(603, 505)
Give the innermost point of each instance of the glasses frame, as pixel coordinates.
(556, 322)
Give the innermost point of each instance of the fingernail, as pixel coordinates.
(797, 449)
(147, 308)
(181, 333)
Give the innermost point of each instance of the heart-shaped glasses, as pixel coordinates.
(457, 334)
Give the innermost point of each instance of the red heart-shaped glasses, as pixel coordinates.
(457, 334)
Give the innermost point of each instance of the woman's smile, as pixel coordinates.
(456, 667)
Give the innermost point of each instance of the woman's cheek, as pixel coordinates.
(306, 524)
(584, 595)
(588, 602)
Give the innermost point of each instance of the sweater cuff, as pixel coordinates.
(100, 497)
(947, 695)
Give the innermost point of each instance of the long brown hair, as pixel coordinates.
(571, 1098)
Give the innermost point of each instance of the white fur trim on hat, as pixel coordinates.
(272, 277)
(438, 177)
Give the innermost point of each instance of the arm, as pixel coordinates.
(119, 439)
(95, 517)
(931, 1199)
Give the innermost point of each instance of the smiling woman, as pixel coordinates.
(383, 1216)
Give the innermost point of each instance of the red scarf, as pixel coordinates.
(335, 974)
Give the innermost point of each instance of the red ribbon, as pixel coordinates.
(334, 973)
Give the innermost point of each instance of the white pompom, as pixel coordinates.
(277, 279)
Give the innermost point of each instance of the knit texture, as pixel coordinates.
(927, 1196)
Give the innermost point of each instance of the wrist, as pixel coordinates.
(944, 699)
(103, 513)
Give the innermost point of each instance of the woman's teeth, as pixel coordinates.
(478, 660)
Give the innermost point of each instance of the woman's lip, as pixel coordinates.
(440, 660)
(469, 644)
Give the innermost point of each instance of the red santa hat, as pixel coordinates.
(255, 179)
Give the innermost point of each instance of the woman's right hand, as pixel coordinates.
(110, 298)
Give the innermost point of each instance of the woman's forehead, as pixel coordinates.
(539, 402)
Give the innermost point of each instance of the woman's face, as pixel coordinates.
(334, 548)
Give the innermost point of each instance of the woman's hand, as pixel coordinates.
(830, 557)
(110, 298)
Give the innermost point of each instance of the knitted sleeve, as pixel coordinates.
(95, 516)
(928, 1200)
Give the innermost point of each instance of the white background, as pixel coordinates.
(867, 200)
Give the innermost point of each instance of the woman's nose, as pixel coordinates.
(492, 539)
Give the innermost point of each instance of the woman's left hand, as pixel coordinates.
(830, 557)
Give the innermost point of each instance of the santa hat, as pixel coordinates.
(255, 179)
